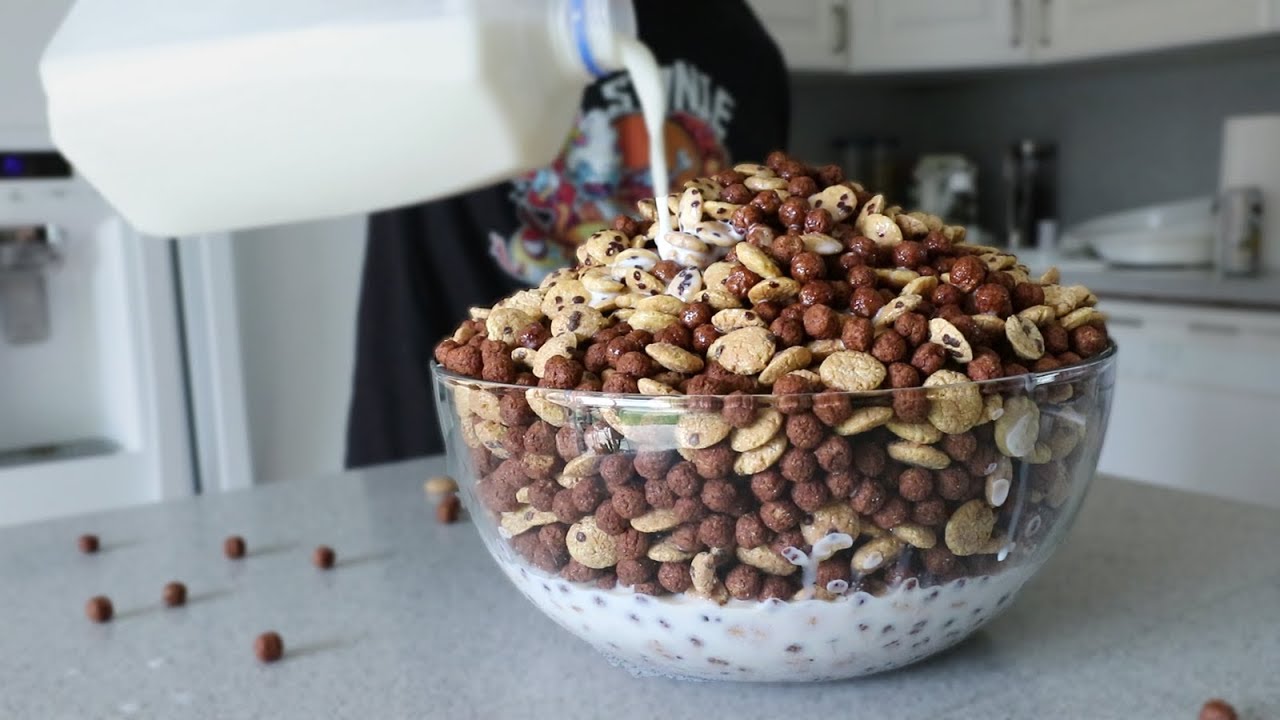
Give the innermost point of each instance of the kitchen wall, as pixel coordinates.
(1130, 131)
(297, 293)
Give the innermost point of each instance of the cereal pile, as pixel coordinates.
(760, 475)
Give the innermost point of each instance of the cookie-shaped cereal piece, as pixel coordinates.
(581, 321)
(686, 284)
(924, 456)
(764, 558)
(1018, 427)
(656, 520)
(757, 261)
(838, 200)
(650, 321)
(852, 371)
(942, 332)
(726, 321)
(883, 230)
(789, 360)
(695, 431)
(775, 289)
(585, 465)
(705, 581)
(923, 432)
(674, 358)
(486, 405)
(1025, 337)
(761, 458)
(524, 518)
(1041, 315)
(922, 286)
(835, 517)
(649, 386)
(504, 324)
(1083, 316)
(664, 304)
(590, 545)
(563, 294)
(896, 308)
(558, 346)
(955, 404)
(917, 536)
(876, 553)
(969, 528)
(821, 244)
(665, 550)
(744, 352)
(864, 419)
(761, 430)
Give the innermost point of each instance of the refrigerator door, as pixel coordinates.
(94, 414)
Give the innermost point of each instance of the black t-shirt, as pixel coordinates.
(728, 101)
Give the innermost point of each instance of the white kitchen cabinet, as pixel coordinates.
(1196, 399)
(939, 34)
(812, 34)
(1069, 29)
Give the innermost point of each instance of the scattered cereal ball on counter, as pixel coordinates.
(174, 594)
(448, 510)
(1217, 709)
(99, 609)
(233, 547)
(88, 544)
(268, 647)
(323, 557)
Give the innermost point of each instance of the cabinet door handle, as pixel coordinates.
(1015, 20)
(1044, 22)
(840, 17)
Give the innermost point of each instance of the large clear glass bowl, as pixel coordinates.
(862, 591)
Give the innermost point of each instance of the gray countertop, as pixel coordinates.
(1202, 287)
(1158, 601)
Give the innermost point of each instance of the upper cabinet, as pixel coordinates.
(1067, 29)
(813, 34)
(906, 35)
(939, 34)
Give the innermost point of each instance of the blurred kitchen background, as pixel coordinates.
(1092, 132)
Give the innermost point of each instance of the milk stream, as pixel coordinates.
(646, 79)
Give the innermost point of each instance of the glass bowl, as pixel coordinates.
(776, 537)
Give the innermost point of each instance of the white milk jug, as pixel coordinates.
(225, 114)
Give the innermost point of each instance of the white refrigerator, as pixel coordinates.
(137, 369)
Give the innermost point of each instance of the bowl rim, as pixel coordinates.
(1029, 381)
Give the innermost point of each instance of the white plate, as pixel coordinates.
(1172, 234)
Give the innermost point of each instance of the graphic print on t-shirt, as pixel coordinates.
(603, 169)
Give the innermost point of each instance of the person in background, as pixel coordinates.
(426, 265)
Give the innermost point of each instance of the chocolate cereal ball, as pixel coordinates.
(776, 587)
(629, 502)
(675, 577)
(750, 531)
(717, 531)
(632, 544)
(768, 485)
(809, 496)
(743, 582)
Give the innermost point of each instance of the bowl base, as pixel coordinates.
(691, 638)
